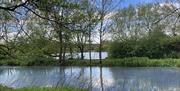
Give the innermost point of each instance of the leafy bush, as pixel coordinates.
(38, 61)
(152, 47)
(29, 61)
(128, 62)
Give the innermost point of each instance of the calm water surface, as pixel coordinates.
(94, 78)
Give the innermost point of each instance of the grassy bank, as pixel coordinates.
(4, 88)
(29, 62)
(121, 62)
(128, 62)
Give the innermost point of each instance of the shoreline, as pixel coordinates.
(118, 62)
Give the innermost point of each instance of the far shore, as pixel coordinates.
(118, 62)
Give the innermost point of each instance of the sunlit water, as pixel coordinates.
(94, 55)
(93, 78)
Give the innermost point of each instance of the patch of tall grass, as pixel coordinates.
(129, 62)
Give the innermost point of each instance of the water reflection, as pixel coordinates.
(94, 78)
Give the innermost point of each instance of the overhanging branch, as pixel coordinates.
(175, 10)
(13, 8)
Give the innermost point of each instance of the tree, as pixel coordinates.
(91, 20)
(104, 8)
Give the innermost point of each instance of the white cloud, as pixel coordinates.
(177, 5)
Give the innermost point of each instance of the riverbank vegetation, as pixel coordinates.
(128, 62)
(4, 88)
(43, 32)
(156, 46)
(115, 62)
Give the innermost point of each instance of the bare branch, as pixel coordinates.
(166, 16)
(13, 8)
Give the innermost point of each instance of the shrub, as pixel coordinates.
(159, 47)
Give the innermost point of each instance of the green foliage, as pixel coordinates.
(34, 52)
(29, 61)
(140, 34)
(38, 61)
(4, 88)
(129, 62)
(10, 62)
(155, 46)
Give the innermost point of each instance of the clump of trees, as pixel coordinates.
(150, 30)
(164, 47)
(33, 29)
(43, 29)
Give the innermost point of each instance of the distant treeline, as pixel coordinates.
(152, 47)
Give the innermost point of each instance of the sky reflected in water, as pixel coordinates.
(94, 78)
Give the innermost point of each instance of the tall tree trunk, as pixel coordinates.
(64, 53)
(61, 40)
(61, 46)
(100, 42)
(71, 52)
(82, 52)
(90, 46)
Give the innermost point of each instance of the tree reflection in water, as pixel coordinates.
(101, 78)
(94, 78)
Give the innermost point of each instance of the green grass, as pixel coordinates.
(29, 62)
(4, 88)
(121, 62)
(128, 62)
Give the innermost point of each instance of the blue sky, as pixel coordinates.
(126, 3)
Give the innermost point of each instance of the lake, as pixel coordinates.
(94, 78)
(94, 55)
